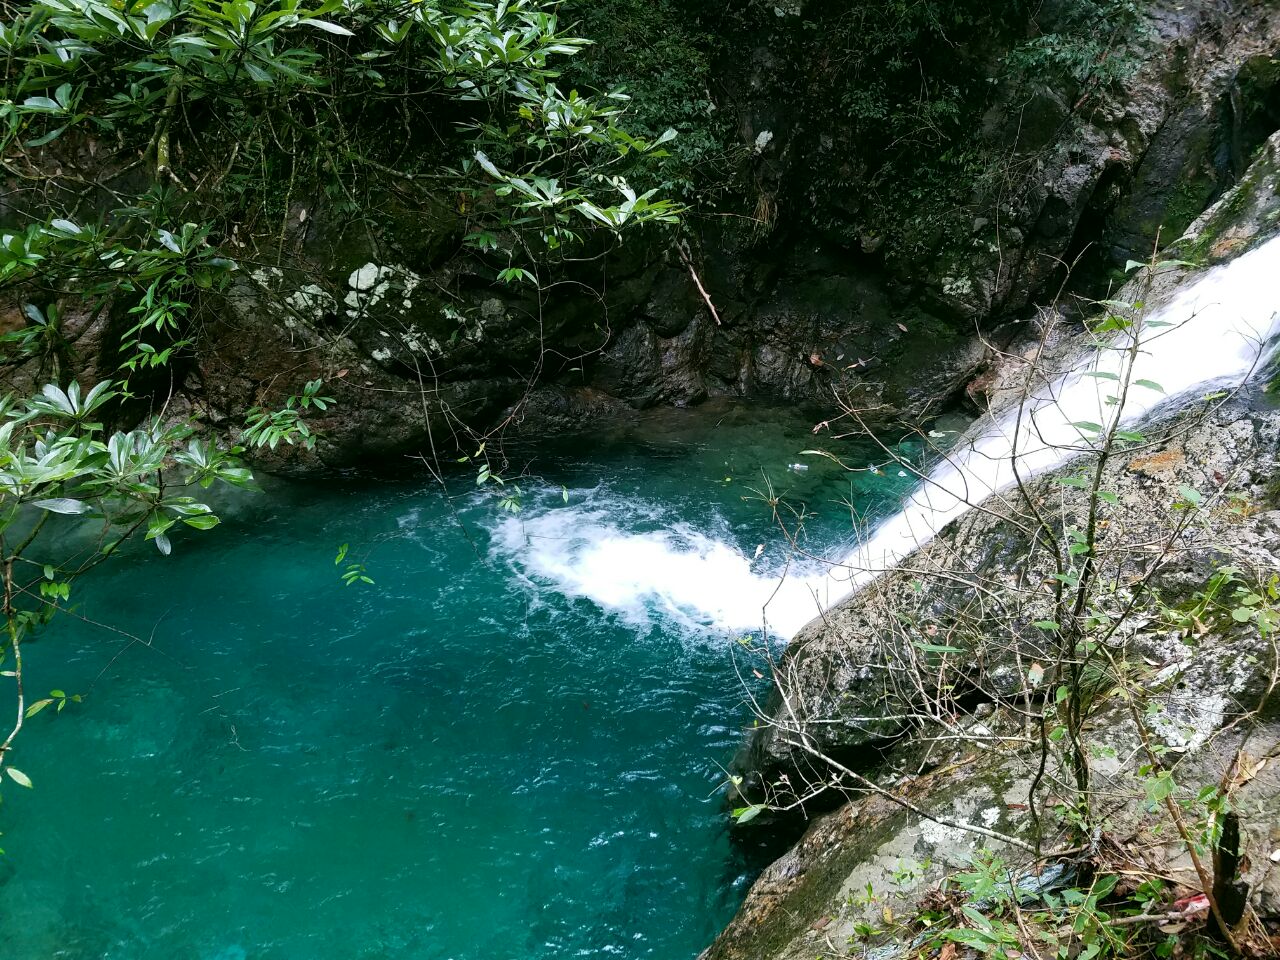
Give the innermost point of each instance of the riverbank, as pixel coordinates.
(933, 761)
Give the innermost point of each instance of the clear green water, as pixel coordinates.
(473, 758)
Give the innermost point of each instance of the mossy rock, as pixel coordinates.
(1257, 104)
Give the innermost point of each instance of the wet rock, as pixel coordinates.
(1249, 212)
(556, 410)
(1123, 166)
(1212, 691)
(873, 858)
(841, 688)
(841, 668)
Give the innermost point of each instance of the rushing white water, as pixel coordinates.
(1210, 335)
(592, 549)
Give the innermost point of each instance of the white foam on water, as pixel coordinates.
(1219, 327)
(592, 549)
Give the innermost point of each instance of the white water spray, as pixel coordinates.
(592, 549)
(1211, 335)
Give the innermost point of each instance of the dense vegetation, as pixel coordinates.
(155, 141)
(159, 149)
(883, 105)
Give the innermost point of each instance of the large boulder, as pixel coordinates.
(906, 706)
(864, 873)
(840, 683)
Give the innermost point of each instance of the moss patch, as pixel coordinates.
(1192, 196)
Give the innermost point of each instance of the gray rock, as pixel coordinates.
(840, 687)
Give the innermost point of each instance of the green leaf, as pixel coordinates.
(18, 777)
(747, 814)
(1103, 887)
(1106, 496)
(1150, 385)
(42, 105)
(46, 138)
(1190, 494)
(37, 707)
(1050, 625)
(1088, 426)
(62, 505)
(937, 648)
(327, 27)
(487, 165)
(1160, 787)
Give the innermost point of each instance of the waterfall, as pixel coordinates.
(1211, 335)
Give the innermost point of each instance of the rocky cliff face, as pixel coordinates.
(1067, 163)
(424, 349)
(1212, 687)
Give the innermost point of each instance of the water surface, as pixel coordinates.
(507, 747)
